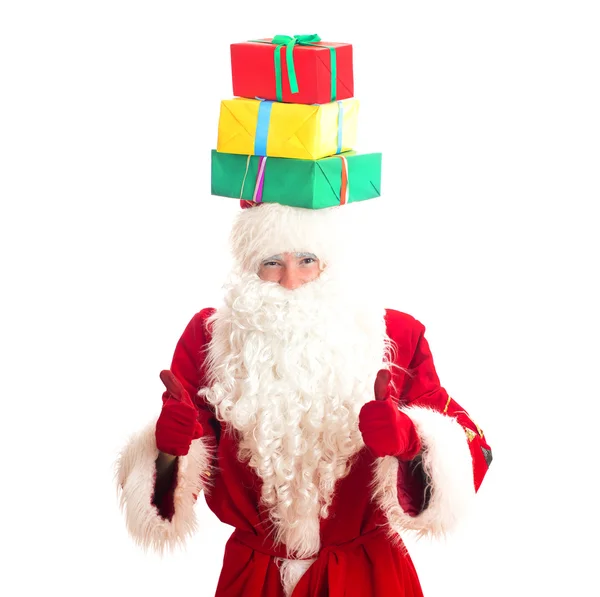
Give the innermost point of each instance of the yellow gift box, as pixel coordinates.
(282, 130)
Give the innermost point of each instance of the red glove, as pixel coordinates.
(386, 431)
(178, 422)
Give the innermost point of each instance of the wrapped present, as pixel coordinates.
(250, 126)
(312, 184)
(300, 69)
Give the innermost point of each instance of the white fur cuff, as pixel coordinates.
(447, 464)
(135, 484)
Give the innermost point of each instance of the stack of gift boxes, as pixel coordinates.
(288, 135)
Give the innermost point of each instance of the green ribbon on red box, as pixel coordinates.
(289, 42)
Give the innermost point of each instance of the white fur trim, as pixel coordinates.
(136, 471)
(449, 467)
(291, 571)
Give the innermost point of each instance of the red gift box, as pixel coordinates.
(258, 73)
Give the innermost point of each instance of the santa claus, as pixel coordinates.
(312, 419)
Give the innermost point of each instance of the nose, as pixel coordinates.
(290, 279)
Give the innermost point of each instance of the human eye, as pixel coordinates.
(308, 260)
(270, 263)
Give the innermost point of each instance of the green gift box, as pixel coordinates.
(312, 184)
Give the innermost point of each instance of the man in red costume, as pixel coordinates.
(311, 418)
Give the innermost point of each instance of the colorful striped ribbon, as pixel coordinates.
(260, 179)
(345, 186)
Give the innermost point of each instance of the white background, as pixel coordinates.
(487, 114)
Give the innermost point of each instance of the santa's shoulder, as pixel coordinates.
(403, 328)
(205, 314)
(198, 329)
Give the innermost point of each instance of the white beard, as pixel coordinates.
(289, 371)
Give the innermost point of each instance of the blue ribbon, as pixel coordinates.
(340, 126)
(262, 127)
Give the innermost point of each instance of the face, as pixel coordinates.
(290, 270)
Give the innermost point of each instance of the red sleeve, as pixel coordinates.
(188, 366)
(421, 387)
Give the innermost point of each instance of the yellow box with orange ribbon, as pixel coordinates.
(282, 130)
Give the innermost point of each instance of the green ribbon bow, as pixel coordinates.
(289, 42)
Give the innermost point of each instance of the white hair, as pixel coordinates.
(271, 229)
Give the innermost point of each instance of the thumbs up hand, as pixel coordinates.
(178, 422)
(386, 430)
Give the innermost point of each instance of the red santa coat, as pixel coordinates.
(362, 553)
